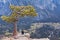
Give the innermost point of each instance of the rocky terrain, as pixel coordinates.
(22, 37)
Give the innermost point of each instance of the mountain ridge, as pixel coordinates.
(48, 10)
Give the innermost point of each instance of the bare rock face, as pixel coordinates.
(41, 39)
(18, 37)
(22, 37)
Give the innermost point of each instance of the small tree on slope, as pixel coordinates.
(18, 12)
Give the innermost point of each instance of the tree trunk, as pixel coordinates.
(15, 29)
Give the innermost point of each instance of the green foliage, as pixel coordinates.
(19, 11)
(24, 10)
(8, 19)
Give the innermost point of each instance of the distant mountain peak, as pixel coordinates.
(46, 9)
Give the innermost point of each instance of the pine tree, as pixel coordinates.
(18, 12)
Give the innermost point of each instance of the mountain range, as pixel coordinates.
(48, 10)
